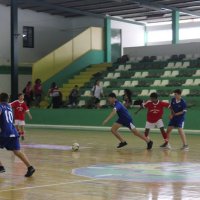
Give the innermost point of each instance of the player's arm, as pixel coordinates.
(142, 106)
(29, 114)
(112, 114)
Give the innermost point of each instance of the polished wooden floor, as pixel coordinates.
(54, 180)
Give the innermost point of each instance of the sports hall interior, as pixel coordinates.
(77, 42)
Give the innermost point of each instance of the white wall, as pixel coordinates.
(6, 78)
(132, 34)
(51, 31)
(164, 50)
(168, 27)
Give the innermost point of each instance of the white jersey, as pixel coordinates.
(97, 91)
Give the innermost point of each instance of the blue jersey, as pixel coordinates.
(6, 122)
(179, 106)
(122, 112)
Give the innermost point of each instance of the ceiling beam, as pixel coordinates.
(48, 5)
(155, 6)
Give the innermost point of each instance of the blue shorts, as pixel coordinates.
(128, 124)
(176, 123)
(10, 143)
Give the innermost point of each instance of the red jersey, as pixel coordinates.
(155, 110)
(20, 109)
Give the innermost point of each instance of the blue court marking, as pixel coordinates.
(48, 146)
(143, 172)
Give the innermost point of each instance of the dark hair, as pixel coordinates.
(53, 84)
(154, 95)
(4, 97)
(20, 94)
(112, 95)
(178, 91)
(76, 86)
(128, 92)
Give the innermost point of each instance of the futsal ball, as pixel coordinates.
(75, 147)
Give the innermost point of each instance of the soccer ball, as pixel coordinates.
(75, 147)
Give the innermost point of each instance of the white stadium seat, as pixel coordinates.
(156, 83)
(116, 75)
(144, 93)
(145, 74)
(151, 91)
(109, 76)
(185, 92)
(170, 65)
(166, 74)
(106, 84)
(186, 64)
(87, 93)
(134, 83)
(188, 82)
(103, 102)
(175, 73)
(116, 92)
(197, 73)
(121, 93)
(164, 82)
(178, 65)
(128, 67)
(127, 84)
(121, 68)
(81, 103)
(196, 82)
(137, 75)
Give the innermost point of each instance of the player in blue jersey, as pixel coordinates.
(177, 117)
(9, 137)
(124, 119)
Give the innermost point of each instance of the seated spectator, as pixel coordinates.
(127, 97)
(28, 94)
(74, 95)
(37, 90)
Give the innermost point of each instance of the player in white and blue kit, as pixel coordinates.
(124, 119)
(177, 117)
(9, 137)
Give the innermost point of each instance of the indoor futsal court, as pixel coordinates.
(99, 171)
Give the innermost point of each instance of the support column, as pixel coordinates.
(14, 49)
(175, 27)
(107, 38)
(145, 36)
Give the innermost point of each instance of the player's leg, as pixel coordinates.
(146, 132)
(115, 132)
(22, 132)
(25, 160)
(2, 169)
(17, 126)
(138, 134)
(183, 137)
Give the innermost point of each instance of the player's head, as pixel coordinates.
(177, 93)
(97, 82)
(4, 97)
(154, 97)
(21, 96)
(112, 98)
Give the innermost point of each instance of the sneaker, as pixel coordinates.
(165, 145)
(122, 144)
(30, 171)
(185, 147)
(149, 145)
(2, 169)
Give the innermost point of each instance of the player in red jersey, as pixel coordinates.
(20, 109)
(155, 111)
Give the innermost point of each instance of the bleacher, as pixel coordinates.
(149, 75)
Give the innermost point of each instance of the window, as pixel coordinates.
(160, 36)
(28, 37)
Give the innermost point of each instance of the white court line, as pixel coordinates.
(50, 185)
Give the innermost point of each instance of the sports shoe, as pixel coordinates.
(122, 144)
(185, 147)
(30, 171)
(2, 169)
(149, 145)
(165, 145)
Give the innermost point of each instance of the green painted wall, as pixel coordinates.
(93, 117)
(92, 57)
(22, 70)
